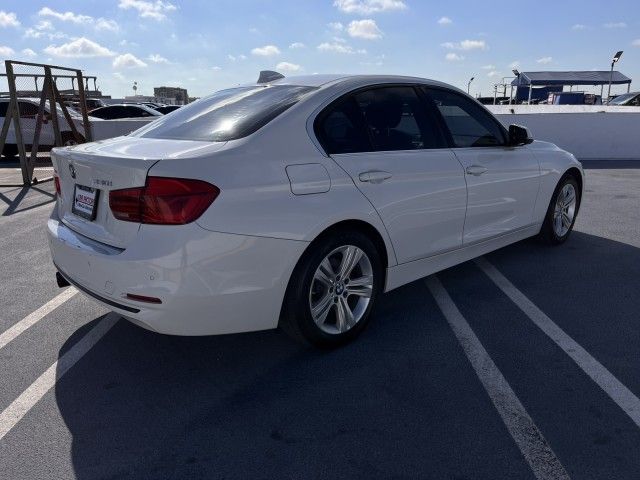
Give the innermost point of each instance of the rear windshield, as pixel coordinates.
(226, 115)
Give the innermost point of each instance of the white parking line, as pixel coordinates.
(534, 447)
(620, 394)
(33, 318)
(27, 399)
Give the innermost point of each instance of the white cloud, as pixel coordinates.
(233, 58)
(492, 74)
(216, 68)
(579, 26)
(367, 7)
(615, 25)
(147, 9)
(488, 67)
(80, 47)
(106, 24)
(27, 52)
(8, 19)
(514, 65)
(338, 47)
(296, 45)
(119, 76)
(128, 60)
(366, 29)
(44, 28)
(545, 60)
(445, 21)
(65, 16)
(6, 51)
(466, 45)
(287, 67)
(157, 58)
(636, 43)
(99, 24)
(266, 51)
(453, 57)
(337, 26)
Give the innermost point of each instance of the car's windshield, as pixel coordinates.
(226, 115)
(622, 98)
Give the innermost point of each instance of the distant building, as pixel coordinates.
(171, 95)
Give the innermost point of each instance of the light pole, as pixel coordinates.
(469, 85)
(615, 59)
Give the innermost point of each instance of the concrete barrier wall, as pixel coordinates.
(589, 132)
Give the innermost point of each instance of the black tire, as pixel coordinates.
(296, 318)
(547, 233)
(10, 151)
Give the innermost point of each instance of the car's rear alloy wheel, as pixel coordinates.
(562, 211)
(341, 289)
(332, 290)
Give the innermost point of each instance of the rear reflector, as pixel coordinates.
(56, 181)
(142, 298)
(163, 201)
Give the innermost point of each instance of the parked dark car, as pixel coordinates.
(112, 112)
(164, 109)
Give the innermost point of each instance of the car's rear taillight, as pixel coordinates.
(163, 201)
(56, 182)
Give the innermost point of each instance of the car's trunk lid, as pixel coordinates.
(108, 165)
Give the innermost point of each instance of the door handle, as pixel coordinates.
(476, 170)
(374, 176)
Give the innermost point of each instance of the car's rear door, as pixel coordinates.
(384, 138)
(502, 180)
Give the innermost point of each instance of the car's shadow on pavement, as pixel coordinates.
(401, 401)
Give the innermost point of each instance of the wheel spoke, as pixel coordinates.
(350, 258)
(325, 273)
(321, 309)
(362, 286)
(344, 316)
(566, 221)
(557, 221)
(569, 198)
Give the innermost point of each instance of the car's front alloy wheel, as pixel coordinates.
(332, 290)
(562, 211)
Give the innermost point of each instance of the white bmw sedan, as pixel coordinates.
(296, 202)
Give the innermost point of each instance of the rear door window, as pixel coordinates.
(227, 114)
(396, 119)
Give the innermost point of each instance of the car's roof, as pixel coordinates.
(321, 80)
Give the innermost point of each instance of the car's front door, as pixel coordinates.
(397, 156)
(502, 180)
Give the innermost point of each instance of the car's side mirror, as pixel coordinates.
(519, 135)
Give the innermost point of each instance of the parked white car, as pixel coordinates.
(28, 108)
(296, 203)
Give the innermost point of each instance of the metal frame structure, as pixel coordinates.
(51, 94)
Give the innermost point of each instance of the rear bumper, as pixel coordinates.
(209, 282)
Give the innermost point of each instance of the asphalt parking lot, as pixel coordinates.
(522, 365)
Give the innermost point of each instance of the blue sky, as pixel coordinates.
(207, 45)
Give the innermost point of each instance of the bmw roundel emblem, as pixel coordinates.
(72, 170)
